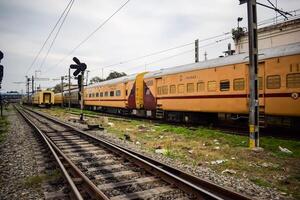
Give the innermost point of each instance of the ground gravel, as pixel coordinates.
(17, 161)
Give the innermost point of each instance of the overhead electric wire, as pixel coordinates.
(163, 51)
(181, 53)
(58, 31)
(48, 37)
(92, 33)
(209, 44)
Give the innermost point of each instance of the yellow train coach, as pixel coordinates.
(217, 88)
(43, 98)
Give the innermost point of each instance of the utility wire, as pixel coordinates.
(165, 50)
(209, 44)
(48, 37)
(54, 39)
(91, 34)
(181, 53)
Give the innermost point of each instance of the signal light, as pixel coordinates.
(1, 73)
(80, 67)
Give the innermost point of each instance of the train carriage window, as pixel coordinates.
(106, 94)
(118, 93)
(172, 89)
(260, 83)
(180, 88)
(101, 94)
(93, 94)
(97, 94)
(239, 84)
(224, 85)
(190, 87)
(126, 92)
(273, 82)
(200, 86)
(293, 80)
(165, 89)
(112, 93)
(212, 86)
(90, 95)
(159, 90)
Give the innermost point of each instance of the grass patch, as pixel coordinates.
(260, 182)
(4, 124)
(36, 181)
(272, 144)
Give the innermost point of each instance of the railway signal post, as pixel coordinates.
(253, 70)
(80, 68)
(1, 76)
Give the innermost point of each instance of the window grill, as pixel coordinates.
(190, 87)
(224, 85)
(293, 80)
(212, 86)
(273, 82)
(180, 88)
(239, 84)
(200, 86)
(172, 89)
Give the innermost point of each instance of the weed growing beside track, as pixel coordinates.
(4, 125)
(198, 146)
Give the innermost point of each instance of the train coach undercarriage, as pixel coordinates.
(200, 118)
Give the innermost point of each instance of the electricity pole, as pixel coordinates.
(32, 85)
(253, 70)
(62, 91)
(69, 88)
(196, 51)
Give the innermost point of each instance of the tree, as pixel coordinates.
(57, 87)
(114, 74)
(96, 79)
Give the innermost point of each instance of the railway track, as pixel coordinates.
(98, 169)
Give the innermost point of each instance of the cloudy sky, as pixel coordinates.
(140, 28)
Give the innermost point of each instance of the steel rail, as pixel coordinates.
(91, 187)
(184, 181)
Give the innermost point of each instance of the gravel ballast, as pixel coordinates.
(17, 161)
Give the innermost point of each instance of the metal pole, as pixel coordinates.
(81, 96)
(87, 77)
(27, 88)
(196, 50)
(32, 84)
(1, 104)
(69, 88)
(62, 91)
(253, 70)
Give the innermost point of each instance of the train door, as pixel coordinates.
(47, 98)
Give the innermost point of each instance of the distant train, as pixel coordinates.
(11, 97)
(59, 98)
(40, 98)
(212, 89)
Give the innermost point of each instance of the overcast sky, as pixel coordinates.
(140, 28)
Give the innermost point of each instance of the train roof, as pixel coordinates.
(122, 79)
(284, 50)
